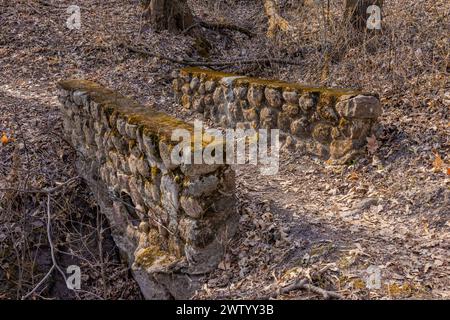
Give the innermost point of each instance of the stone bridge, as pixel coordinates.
(172, 222)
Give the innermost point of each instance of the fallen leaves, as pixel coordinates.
(438, 162)
(372, 144)
(4, 139)
(353, 176)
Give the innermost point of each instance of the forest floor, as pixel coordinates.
(388, 212)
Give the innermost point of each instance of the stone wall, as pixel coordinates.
(330, 123)
(171, 222)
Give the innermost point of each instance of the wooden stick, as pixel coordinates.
(213, 63)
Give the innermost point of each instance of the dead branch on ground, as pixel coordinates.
(191, 63)
(303, 285)
(220, 26)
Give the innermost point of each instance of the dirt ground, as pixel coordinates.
(389, 211)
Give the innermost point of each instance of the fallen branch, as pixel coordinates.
(52, 253)
(44, 191)
(218, 26)
(213, 63)
(55, 264)
(303, 285)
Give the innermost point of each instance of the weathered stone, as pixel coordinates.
(273, 97)
(120, 125)
(80, 97)
(199, 104)
(186, 77)
(284, 121)
(165, 151)
(300, 127)
(95, 110)
(195, 83)
(113, 119)
(186, 101)
(362, 107)
(235, 113)
(149, 148)
(88, 134)
(335, 133)
(224, 121)
(322, 133)
(255, 96)
(170, 197)
(144, 227)
(192, 207)
(218, 96)
(135, 186)
(240, 92)
(327, 113)
(290, 109)
(196, 170)
(99, 129)
(307, 102)
(319, 149)
(186, 89)
(244, 104)
(209, 100)
(345, 150)
(196, 232)
(123, 181)
(113, 156)
(201, 89)
(143, 167)
(177, 84)
(124, 166)
(210, 86)
(132, 163)
(268, 118)
(104, 174)
(119, 143)
(202, 186)
(291, 97)
(151, 194)
(134, 148)
(130, 130)
(355, 128)
(251, 115)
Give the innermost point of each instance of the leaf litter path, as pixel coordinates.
(330, 225)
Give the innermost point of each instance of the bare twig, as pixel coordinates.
(218, 26)
(44, 191)
(303, 285)
(52, 253)
(39, 283)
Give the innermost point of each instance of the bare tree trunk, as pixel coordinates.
(172, 15)
(356, 13)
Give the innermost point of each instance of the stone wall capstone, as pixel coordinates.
(171, 222)
(330, 123)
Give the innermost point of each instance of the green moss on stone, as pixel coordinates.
(276, 84)
(153, 123)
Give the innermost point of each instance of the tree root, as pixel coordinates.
(303, 285)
